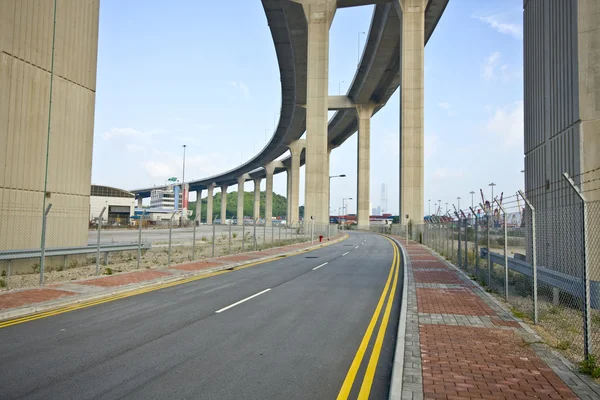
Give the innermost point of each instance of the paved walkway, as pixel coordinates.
(461, 343)
(43, 298)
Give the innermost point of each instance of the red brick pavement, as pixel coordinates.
(467, 362)
(124, 279)
(437, 277)
(197, 266)
(451, 301)
(32, 296)
(462, 362)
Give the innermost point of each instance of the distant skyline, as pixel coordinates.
(164, 82)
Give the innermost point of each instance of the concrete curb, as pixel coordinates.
(398, 364)
(82, 298)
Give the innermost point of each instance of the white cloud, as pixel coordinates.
(159, 170)
(514, 30)
(130, 132)
(241, 87)
(489, 66)
(444, 105)
(507, 124)
(448, 173)
(134, 148)
(431, 143)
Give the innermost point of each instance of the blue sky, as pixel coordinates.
(205, 74)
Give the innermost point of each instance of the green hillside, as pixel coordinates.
(279, 205)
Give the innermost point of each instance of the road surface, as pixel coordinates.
(313, 326)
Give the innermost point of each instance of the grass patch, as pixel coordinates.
(517, 313)
(590, 366)
(2, 283)
(108, 271)
(563, 345)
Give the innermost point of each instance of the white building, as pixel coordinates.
(165, 198)
(119, 204)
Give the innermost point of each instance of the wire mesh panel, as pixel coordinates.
(593, 260)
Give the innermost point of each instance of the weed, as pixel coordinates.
(204, 238)
(74, 264)
(2, 283)
(596, 319)
(590, 366)
(35, 268)
(563, 345)
(60, 268)
(3, 273)
(108, 271)
(234, 235)
(517, 313)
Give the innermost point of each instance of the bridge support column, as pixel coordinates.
(199, 205)
(269, 169)
(139, 202)
(319, 14)
(296, 152)
(256, 198)
(223, 204)
(288, 195)
(240, 199)
(209, 204)
(412, 14)
(363, 165)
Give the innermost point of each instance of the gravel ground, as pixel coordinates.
(155, 257)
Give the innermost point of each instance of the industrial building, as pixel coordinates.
(119, 203)
(165, 198)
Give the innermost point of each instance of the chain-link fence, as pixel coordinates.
(539, 251)
(34, 252)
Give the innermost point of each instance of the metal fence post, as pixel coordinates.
(98, 242)
(213, 238)
(505, 250)
(587, 339)
(194, 240)
(170, 231)
(280, 234)
(476, 243)
(139, 258)
(229, 245)
(254, 235)
(272, 234)
(264, 233)
(243, 234)
(43, 242)
(489, 257)
(466, 266)
(459, 253)
(533, 258)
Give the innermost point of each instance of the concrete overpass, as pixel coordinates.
(393, 54)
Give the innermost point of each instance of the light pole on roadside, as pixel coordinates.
(439, 206)
(471, 193)
(492, 199)
(344, 207)
(429, 206)
(183, 178)
(329, 191)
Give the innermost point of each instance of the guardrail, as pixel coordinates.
(10, 255)
(564, 282)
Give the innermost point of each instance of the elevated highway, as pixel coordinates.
(378, 76)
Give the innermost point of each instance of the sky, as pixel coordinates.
(205, 74)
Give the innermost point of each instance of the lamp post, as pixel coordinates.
(429, 206)
(492, 199)
(329, 191)
(471, 193)
(340, 87)
(183, 178)
(358, 48)
(344, 207)
(439, 206)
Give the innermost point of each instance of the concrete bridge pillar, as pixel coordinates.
(199, 205)
(363, 164)
(139, 202)
(223, 204)
(209, 204)
(240, 199)
(269, 169)
(295, 152)
(412, 14)
(256, 198)
(319, 15)
(288, 195)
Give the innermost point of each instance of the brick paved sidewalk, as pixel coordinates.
(461, 343)
(64, 292)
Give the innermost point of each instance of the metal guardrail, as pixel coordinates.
(10, 255)
(564, 282)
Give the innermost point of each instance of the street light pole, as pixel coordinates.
(344, 207)
(492, 199)
(358, 48)
(329, 191)
(429, 206)
(472, 193)
(183, 178)
(439, 206)
(340, 87)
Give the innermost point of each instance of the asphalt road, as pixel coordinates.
(297, 338)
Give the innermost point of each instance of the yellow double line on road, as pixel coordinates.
(367, 382)
(135, 292)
